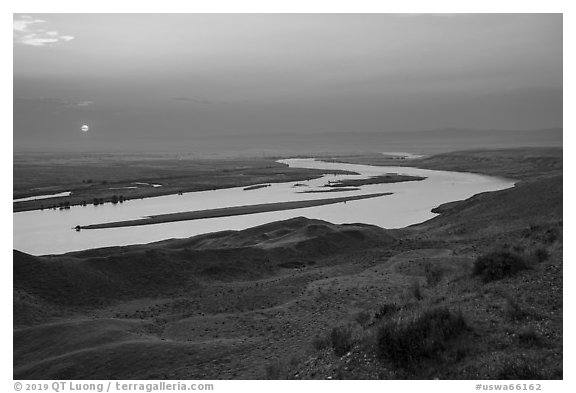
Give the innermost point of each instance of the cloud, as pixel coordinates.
(207, 102)
(81, 104)
(196, 100)
(53, 105)
(28, 31)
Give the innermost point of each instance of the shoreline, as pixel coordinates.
(65, 202)
(229, 211)
(195, 178)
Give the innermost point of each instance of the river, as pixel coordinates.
(51, 231)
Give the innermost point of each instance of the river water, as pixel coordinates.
(51, 231)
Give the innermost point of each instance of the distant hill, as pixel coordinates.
(423, 141)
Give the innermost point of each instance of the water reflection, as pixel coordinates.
(52, 231)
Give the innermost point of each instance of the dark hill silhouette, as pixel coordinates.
(100, 276)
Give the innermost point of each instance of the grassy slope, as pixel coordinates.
(515, 324)
(248, 304)
(230, 286)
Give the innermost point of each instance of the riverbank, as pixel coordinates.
(521, 163)
(103, 178)
(98, 179)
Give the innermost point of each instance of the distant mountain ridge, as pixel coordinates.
(428, 141)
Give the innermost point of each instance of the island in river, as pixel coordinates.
(229, 211)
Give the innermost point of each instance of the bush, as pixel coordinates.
(321, 342)
(386, 310)
(513, 309)
(519, 368)
(518, 248)
(407, 343)
(415, 290)
(363, 318)
(497, 265)
(280, 368)
(276, 370)
(529, 338)
(552, 235)
(433, 274)
(541, 254)
(341, 338)
(548, 234)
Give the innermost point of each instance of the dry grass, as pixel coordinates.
(497, 265)
(406, 342)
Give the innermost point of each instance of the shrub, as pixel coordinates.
(341, 338)
(521, 369)
(497, 265)
(433, 274)
(281, 368)
(415, 291)
(552, 235)
(518, 248)
(321, 342)
(276, 370)
(547, 234)
(363, 319)
(513, 309)
(407, 343)
(541, 254)
(529, 338)
(386, 310)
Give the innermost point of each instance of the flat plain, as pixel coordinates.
(102, 177)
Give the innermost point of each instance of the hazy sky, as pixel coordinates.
(177, 75)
